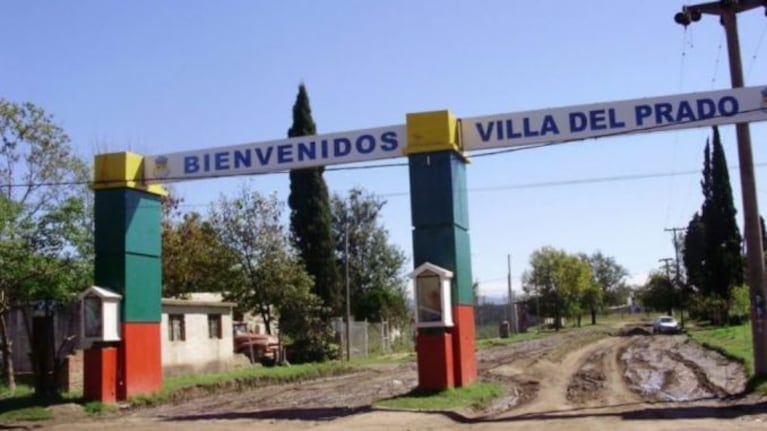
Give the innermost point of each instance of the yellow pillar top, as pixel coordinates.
(122, 170)
(428, 132)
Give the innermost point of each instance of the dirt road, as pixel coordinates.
(584, 380)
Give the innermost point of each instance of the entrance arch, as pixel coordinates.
(128, 211)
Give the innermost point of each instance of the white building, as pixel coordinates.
(197, 336)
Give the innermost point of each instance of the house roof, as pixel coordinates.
(100, 292)
(428, 266)
(193, 303)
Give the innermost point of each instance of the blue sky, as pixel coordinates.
(158, 77)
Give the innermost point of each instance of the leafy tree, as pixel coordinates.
(45, 230)
(575, 280)
(659, 293)
(250, 224)
(311, 338)
(712, 252)
(194, 257)
(560, 281)
(610, 278)
(376, 267)
(693, 255)
(741, 304)
(764, 233)
(310, 215)
(269, 278)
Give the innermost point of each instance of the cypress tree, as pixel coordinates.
(310, 215)
(723, 261)
(694, 253)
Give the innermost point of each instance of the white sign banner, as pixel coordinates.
(280, 155)
(616, 118)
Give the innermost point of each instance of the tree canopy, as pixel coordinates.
(310, 215)
(712, 252)
(46, 246)
(562, 282)
(193, 255)
(376, 266)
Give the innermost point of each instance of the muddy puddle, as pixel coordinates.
(673, 368)
(588, 383)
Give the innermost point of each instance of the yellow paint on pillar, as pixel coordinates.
(122, 170)
(428, 132)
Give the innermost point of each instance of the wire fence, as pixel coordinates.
(374, 338)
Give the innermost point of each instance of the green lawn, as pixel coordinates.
(476, 396)
(513, 338)
(22, 405)
(735, 341)
(242, 378)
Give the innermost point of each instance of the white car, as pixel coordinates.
(665, 325)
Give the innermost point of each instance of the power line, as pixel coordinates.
(756, 51)
(385, 165)
(716, 62)
(544, 184)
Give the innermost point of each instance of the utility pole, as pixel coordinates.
(677, 280)
(667, 264)
(348, 296)
(511, 311)
(727, 11)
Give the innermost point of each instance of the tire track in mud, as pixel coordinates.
(347, 391)
(575, 369)
(700, 375)
(524, 366)
(672, 368)
(599, 380)
(632, 369)
(555, 377)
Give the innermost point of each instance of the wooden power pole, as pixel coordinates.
(727, 11)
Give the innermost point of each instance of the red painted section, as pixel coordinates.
(100, 376)
(435, 360)
(464, 348)
(140, 359)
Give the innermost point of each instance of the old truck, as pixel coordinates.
(262, 348)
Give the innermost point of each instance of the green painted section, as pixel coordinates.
(128, 220)
(128, 250)
(463, 294)
(110, 272)
(449, 248)
(439, 181)
(439, 207)
(143, 294)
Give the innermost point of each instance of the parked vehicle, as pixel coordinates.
(665, 325)
(261, 348)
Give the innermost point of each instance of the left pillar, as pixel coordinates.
(128, 261)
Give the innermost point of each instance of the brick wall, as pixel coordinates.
(71, 378)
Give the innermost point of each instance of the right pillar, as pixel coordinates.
(440, 218)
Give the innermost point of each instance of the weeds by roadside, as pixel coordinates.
(734, 342)
(182, 387)
(477, 396)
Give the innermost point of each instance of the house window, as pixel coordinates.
(214, 326)
(176, 330)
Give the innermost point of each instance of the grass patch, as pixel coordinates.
(96, 408)
(736, 343)
(534, 334)
(477, 396)
(21, 391)
(181, 387)
(35, 413)
(513, 338)
(22, 405)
